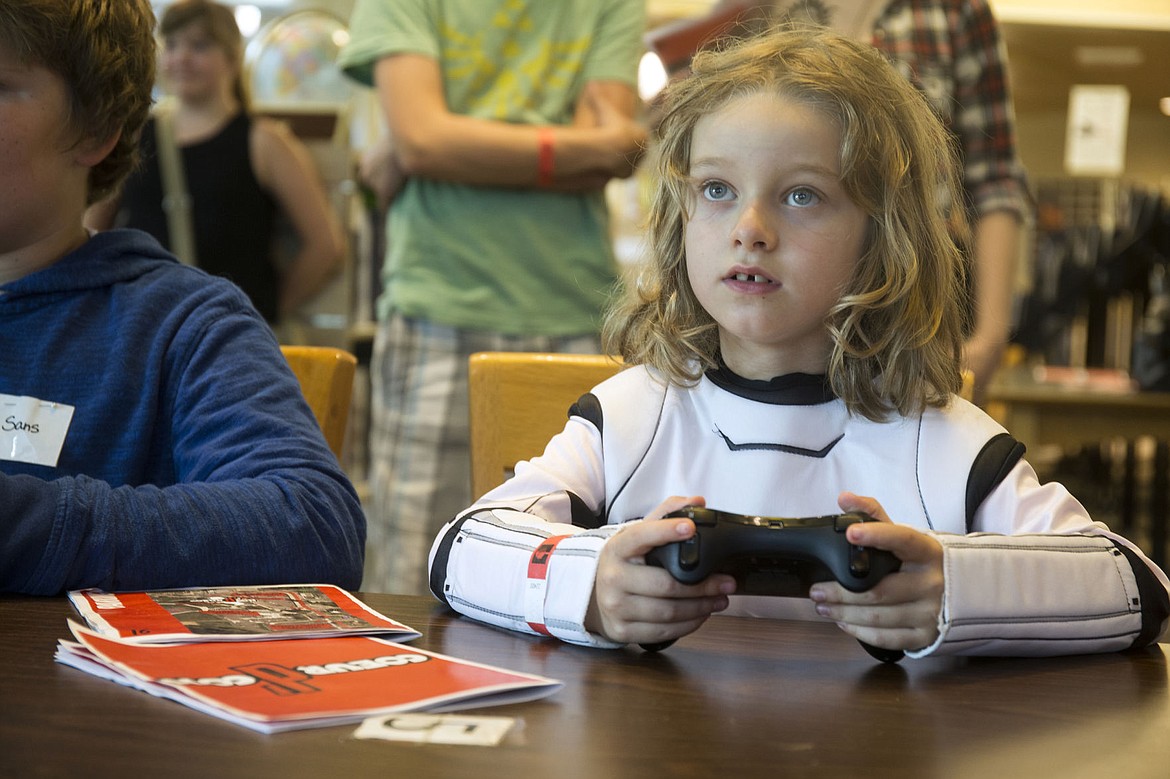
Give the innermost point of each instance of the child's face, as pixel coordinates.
(194, 65)
(42, 183)
(772, 238)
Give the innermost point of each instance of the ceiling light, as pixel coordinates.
(248, 19)
(1109, 56)
(652, 76)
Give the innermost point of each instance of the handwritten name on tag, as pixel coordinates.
(32, 430)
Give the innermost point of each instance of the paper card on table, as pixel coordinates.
(233, 614)
(272, 686)
(437, 729)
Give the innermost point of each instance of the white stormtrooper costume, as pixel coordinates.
(1027, 571)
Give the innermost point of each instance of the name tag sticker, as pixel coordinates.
(31, 430)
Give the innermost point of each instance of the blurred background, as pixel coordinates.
(1091, 85)
(1055, 47)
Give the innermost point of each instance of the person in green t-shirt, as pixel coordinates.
(505, 121)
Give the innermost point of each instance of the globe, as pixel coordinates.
(292, 60)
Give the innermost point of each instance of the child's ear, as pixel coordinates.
(91, 151)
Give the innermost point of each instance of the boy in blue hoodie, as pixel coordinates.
(151, 434)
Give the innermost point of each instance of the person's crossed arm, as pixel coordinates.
(427, 139)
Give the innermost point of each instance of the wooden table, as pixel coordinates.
(741, 697)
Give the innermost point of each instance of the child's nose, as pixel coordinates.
(753, 230)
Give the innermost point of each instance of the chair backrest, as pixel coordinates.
(519, 400)
(326, 377)
(967, 392)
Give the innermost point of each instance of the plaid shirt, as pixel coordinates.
(953, 52)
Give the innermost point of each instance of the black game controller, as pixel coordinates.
(781, 556)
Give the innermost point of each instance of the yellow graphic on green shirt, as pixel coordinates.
(511, 70)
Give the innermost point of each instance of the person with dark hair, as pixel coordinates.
(235, 173)
(151, 433)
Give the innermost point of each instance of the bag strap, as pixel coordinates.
(176, 202)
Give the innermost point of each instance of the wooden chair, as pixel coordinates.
(519, 401)
(967, 392)
(326, 377)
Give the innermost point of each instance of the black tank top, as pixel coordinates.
(232, 216)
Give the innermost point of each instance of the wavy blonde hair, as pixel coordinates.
(896, 330)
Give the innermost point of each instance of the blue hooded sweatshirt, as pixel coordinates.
(191, 458)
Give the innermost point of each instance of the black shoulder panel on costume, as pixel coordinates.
(442, 555)
(588, 407)
(1155, 602)
(992, 464)
(582, 516)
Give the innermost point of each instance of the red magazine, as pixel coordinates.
(233, 614)
(272, 686)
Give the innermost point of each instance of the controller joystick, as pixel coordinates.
(780, 556)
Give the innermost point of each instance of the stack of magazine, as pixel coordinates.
(275, 658)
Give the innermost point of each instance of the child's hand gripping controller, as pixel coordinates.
(781, 556)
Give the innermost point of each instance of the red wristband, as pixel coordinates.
(537, 581)
(546, 157)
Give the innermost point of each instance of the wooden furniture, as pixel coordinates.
(967, 390)
(326, 377)
(740, 697)
(519, 400)
(1042, 414)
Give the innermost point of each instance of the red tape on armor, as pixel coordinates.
(537, 583)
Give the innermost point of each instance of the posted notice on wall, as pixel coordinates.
(1098, 120)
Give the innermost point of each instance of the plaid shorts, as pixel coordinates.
(420, 469)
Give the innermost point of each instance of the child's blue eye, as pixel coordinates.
(715, 190)
(802, 197)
